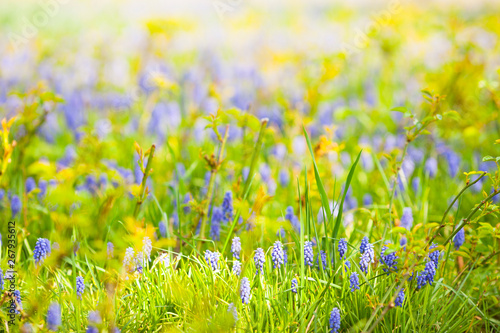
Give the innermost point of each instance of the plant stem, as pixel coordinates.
(213, 173)
(256, 153)
(140, 200)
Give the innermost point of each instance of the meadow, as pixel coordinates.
(306, 168)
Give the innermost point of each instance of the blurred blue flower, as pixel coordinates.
(400, 298)
(295, 284)
(407, 218)
(459, 239)
(30, 184)
(54, 316)
(236, 247)
(15, 205)
(237, 268)
(227, 207)
(80, 286)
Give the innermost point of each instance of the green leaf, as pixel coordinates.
(488, 158)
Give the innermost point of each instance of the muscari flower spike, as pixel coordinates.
(354, 281)
(347, 265)
(363, 245)
(400, 298)
(295, 284)
(236, 247)
(139, 262)
(80, 286)
(215, 223)
(30, 184)
(110, 250)
(407, 218)
(290, 216)
(308, 253)
(1, 279)
(54, 316)
(128, 259)
(278, 254)
(162, 228)
(232, 309)
(434, 255)
(245, 293)
(366, 258)
(427, 276)
(390, 260)
(15, 205)
(227, 207)
(147, 247)
(322, 255)
(459, 239)
(41, 251)
(237, 268)
(342, 247)
(94, 319)
(259, 259)
(19, 304)
(335, 320)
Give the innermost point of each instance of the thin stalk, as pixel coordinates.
(140, 200)
(256, 153)
(213, 173)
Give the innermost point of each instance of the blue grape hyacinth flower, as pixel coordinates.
(459, 239)
(147, 247)
(237, 268)
(400, 298)
(364, 242)
(259, 259)
(245, 292)
(335, 320)
(236, 247)
(54, 316)
(427, 275)
(434, 255)
(30, 184)
(278, 255)
(390, 260)
(80, 286)
(15, 205)
(407, 218)
(41, 251)
(295, 284)
(342, 247)
(366, 258)
(162, 228)
(227, 207)
(215, 223)
(354, 281)
(308, 253)
(19, 304)
(232, 309)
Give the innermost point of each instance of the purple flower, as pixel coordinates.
(54, 316)
(41, 250)
(227, 207)
(245, 292)
(15, 205)
(80, 286)
(367, 200)
(322, 255)
(236, 247)
(431, 167)
(237, 268)
(364, 242)
(427, 276)
(110, 250)
(284, 178)
(434, 255)
(295, 284)
(400, 298)
(128, 259)
(366, 258)
(232, 309)
(215, 223)
(17, 298)
(292, 218)
(407, 218)
(30, 184)
(308, 253)
(162, 228)
(147, 247)
(354, 281)
(390, 260)
(278, 254)
(259, 259)
(459, 239)
(342, 247)
(335, 320)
